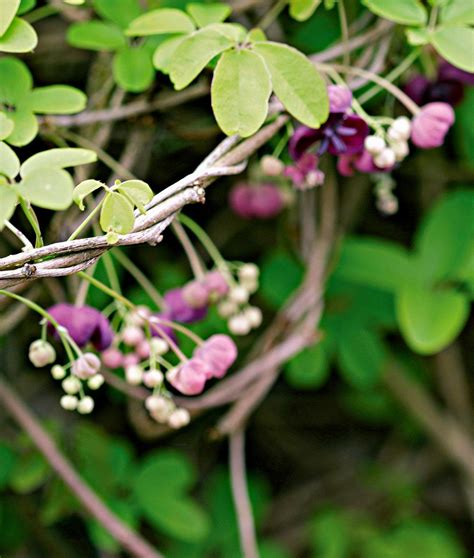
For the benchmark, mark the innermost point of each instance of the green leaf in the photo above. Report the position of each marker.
(83, 189)
(361, 356)
(26, 6)
(205, 14)
(30, 473)
(375, 262)
(309, 369)
(302, 10)
(7, 460)
(47, 187)
(6, 126)
(9, 162)
(60, 157)
(26, 127)
(137, 191)
(156, 22)
(133, 69)
(165, 51)
(121, 13)
(95, 35)
(458, 12)
(194, 53)
(57, 99)
(280, 276)
(7, 13)
(417, 36)
(16, 82)
(19, 37)
(406, 12)
(256, 35)
(240, 91)
(296, 83)
(445, 237)
(117, 214)
(9, 200)
(430, 320)
(451, 43)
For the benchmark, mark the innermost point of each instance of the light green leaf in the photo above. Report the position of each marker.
(375, 262)
(430, 320)
(233, 31)
(47, 187)
(194, 54)
(95, 35)
(205, 14)
(309, 369)
(120, 13)
(296, 83)
(240, 91)
(6, 126)
(19, 37)
(137, 191)
(60, 157)
(116, 215)
(303, 9)
(417, 36)
(133, 69)
(7, 13)
(9, 200)
(157, 22)
(407, 12)
(57, 99)
(458, 12)
(453, 45)
(9, 162)
(26, 127)
(83, 189)
(256, 35)
(165, 51)
(16, 82)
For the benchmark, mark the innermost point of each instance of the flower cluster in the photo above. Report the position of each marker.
(256, 201)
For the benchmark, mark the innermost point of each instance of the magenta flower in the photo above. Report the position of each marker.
(262, 201)
(177, 310)
(431, 124)
(362, 162)
(340, 98)
(305, 173)
(84, 324)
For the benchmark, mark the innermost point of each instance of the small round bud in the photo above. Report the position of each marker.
(132, 335)
(85, 405)
(68, 402)
(71, 385)
(112, 358)
(401, 149)
(159, 407)
(387, 205)
(254, 316)
(179, 418)
(153, 378)
(139, 316)
(134, 374)
(250, 284)
(58, 372)
(86, 366)
(41, 353)
(249, 271)
(239, 325)
(401, 126)
(386, 159)
(227, 308)
(143, 349)
(374, 144)
(95, 382)
(130, 359)
(239, 294)
(195, 294)
(159, 346)
(271, 166)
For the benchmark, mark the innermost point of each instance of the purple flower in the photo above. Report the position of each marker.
(177, 310)
(84, 324)
(340, 98)
(342, 134)
(305, 173)
(362, 162)
(431, 124)
(262, 201)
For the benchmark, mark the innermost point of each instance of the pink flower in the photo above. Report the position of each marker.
(189, 378)
(112, 358)
(362, 162)
(220, 352)
(195, 294)
(216, 284)
(431, 124)
(340, 98)
(261, 201)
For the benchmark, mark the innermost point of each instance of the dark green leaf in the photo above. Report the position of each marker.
(133, 69)
(29, 473)
(16, 81)
(309, 369)
(120, 13)
(280, 276)
(57, 99)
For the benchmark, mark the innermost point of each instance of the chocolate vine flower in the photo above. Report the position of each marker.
(262, 201)
(178, 310)
(340, 99)
(305, 173)
(431, 124)
(84, 324)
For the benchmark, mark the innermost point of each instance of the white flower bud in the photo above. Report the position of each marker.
(159, 346)
(374, 144)
(254, 316)
(86, 366)
(139, 316)
(271, 166)
(68, 402)
(401, 149)
(227, 308)
(239, 324)
(132, 335)
(85, 405)
(249, 271)
(159, 407)
(71, 385)
(401, 127)
(134, 374)
(179, 418)
(250, 284)
(58, 372)
(41, 353)
(153, 378)
(385, 159)
(96, 381)
(239, 294)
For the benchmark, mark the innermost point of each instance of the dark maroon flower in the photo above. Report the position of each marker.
(177, 310)
(84, 324)
(260, 201)
(362, 162)
(448, 71)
